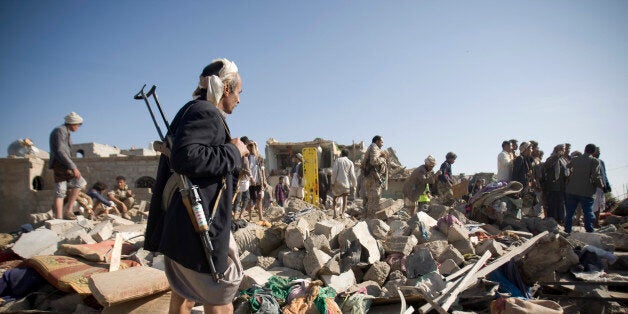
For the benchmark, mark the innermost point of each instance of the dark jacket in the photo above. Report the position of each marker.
(201, 150)
(520, 168)
(585, 176)
(554, 174)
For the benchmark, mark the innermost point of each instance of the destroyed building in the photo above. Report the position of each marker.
(28, 185)
(439, 259)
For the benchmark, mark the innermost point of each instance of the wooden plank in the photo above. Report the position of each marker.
(468, 278)
(116, 253)
(459, 273)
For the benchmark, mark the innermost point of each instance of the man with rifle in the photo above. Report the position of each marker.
(203, 151)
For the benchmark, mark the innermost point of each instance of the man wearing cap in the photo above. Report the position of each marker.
(66, 174)
(204, 151)
(296, 184)
(417, 182)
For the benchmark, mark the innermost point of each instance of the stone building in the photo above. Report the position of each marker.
(27, 184)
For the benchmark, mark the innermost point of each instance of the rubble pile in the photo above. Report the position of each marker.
(302, 259)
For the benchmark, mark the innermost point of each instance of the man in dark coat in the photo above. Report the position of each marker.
(585, 177)
(203, 150)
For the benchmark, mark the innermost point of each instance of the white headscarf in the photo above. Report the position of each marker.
(215, 84)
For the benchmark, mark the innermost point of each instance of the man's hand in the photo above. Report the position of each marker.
(240, 146)
(76, 173)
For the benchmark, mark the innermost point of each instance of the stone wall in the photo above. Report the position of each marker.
(27, 184)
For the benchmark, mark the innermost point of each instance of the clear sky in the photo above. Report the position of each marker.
(429, 76)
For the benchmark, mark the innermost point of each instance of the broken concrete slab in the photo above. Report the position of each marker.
(74, 235)
(293, 259)
(600, 240)
(314, 261)
(118, 221)
(318, 241)
(378, 272)
(102, 231)
(490, 245)
(451, 253)
(361, 233)
(267, 262)
(400, 244)
(247, 239)
(248, 260)
(341, 282)
(332, 267)
(378, 228)
(60, 226)
(269, 239)
(436, 247)
(420, 262)
(254, 275)
(388, 207)
(296, 233)
(464, 247)
(330, 229)
(37, 242)
(398, 228)
(437, 211)
(448, 267)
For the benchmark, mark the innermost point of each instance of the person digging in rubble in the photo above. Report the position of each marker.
(416, 184)
(204, 151)
(375, 169)
(101, 205)
(122, 197)
(446, 180)
(66, 173)
(342, 179)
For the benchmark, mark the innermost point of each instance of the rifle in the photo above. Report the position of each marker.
(189, 192)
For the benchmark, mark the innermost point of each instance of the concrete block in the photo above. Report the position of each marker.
(60, 226)
(378, 228)
(269, 239)
(464, 247)
(398, 228)
(296, 233)
(400, 244)
(248, 259)
(329, 228)
(437, 211)
(293, 259)
(490, 245)
(254, 275)
(448, 267)
(247, 240)
(600, 240)
(332, 267)
(436, 247)
(378, 272)
(86, 238)
(37, 242)
(267, 262)
(451, 253)
(318, 241)
(455, 232)
(420, 263)
(75, 235)
(361, 233)
(388, 208)
(314, 261)
(372, 288)
(102, 231)
(341, 282)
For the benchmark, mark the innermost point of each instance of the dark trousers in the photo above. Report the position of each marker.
(571, 202)
(556, 205)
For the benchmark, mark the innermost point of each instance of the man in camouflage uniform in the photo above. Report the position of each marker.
(375, 170)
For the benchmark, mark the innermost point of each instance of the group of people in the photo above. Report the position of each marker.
(70, 184)
(559, 185)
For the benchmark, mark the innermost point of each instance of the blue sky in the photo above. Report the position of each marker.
(429, 76)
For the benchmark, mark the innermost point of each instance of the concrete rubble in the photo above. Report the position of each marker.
(439, 258)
